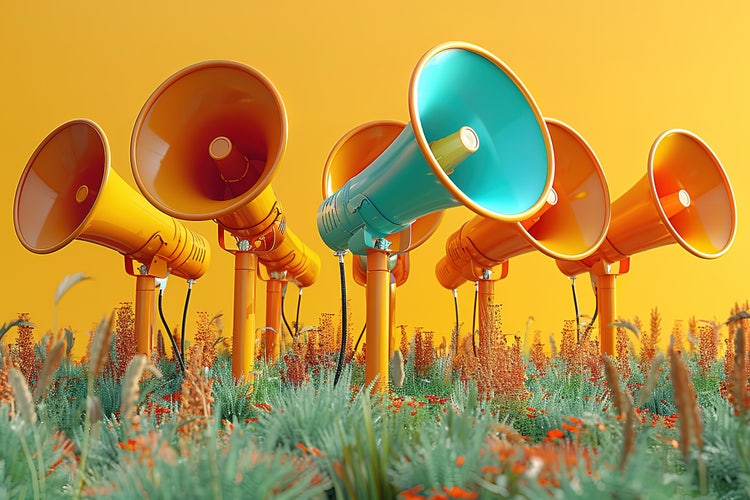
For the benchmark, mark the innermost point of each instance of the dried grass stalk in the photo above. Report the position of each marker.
(130, 390)
(738, 381)
(397, 369)
(99, 350)
(67, 282)
(49, 367)
(691, 428)
(24, 401)
(619, 398)
(652, 379)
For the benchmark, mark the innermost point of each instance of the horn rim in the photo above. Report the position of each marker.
(239, 202)
(424, 146)
(81, 227)
(651, 176)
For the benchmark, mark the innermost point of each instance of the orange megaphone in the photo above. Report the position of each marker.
(206, 145)
(571, 225)
(68, 191)
(685, 197)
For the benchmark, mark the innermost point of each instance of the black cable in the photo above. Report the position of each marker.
(575, 305)
(175, 349)
(296, 319)
(474, 318)
(364, 327)
(342, 274)
(283, 315)
(184, 315)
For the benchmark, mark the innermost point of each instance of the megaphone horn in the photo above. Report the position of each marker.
(472, 126)
(68, 191)
(207, 144)
(571, 225)
(684, 197)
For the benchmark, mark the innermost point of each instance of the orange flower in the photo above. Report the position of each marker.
(412, 493)
(491, 469)
(457, 492)
(555, 434)
(460, 460)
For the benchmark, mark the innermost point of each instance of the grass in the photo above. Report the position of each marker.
(506, 424)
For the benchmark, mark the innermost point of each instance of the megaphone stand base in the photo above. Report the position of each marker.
(243, 326)
(145, 300)
(606, 300)
(378, 319)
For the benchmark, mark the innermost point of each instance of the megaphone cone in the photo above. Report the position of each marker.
(684, 197)
(571, 225)
(352, 154)
(473, 125)
(207, 144)
(68, 191)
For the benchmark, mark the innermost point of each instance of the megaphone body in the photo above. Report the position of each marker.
(206, 145)
(69, 192)
(454, 86)
(684, 197)
(571, 225)
(475, 138)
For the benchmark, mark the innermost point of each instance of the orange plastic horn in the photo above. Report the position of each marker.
(206, 146)
(69, 192)
(571, 225)
(685, 197)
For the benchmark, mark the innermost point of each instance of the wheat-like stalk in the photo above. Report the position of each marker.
(397, 369)
(48, 369)
(738, 380)
(24, 401)
(653, 378)
(139, 364)
(100, 346)
(691, 428)
(613, 382)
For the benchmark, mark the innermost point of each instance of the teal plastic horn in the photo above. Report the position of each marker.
(454, 86)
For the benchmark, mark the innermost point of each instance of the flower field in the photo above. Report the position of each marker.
(497, 416)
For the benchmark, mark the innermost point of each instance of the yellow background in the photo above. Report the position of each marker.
(620, 73)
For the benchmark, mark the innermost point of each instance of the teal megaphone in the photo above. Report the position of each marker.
(475, 138)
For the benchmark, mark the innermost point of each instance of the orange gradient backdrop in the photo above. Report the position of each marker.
(618, 73)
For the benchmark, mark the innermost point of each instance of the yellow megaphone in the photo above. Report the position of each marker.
(206, 145)
(684, 197)
(571, 225)
(69, 192)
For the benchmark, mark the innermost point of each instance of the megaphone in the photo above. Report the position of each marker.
(570, 226)
(206, 145)
(69, 192)
(475, 138)
(685, 197)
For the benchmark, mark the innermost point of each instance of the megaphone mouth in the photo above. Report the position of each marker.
(60, 186)
(692, 193)
(574, 225)
(173, 149)
(456, 85)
